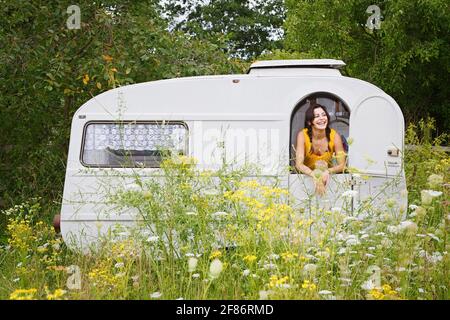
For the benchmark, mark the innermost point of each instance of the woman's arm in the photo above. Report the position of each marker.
(340, 155)
(300, 154)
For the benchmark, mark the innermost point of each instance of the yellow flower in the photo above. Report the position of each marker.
(215, 254)
(56, 295)
(376, 294)
(250, 258)
(86, 79)
(23, 294)
(277, 282)
(288, 256)
(308, 285)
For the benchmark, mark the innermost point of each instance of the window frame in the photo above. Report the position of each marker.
(124, 122)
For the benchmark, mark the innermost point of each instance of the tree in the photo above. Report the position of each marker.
(48, 71)
(407, 57)
(242, 29)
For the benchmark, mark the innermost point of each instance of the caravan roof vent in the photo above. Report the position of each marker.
(297, 67)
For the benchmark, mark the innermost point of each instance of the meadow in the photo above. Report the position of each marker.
(220, 235)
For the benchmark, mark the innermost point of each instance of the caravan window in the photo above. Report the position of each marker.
(133, 144)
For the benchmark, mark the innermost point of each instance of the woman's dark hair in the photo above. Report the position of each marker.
(309, 117)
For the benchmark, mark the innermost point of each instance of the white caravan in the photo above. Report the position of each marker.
(243, 118)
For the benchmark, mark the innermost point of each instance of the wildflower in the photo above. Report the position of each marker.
(246, 272)
(435, 180)
(308, 285)
(57, 295)
(23, 294)
(215, 254)
(192, 264)
(376, 294)
(392, 229)
(156, 295)
(210, 192)
(215, 268)
(278, 282)
(196, 275)
(428, 195)
(325, 292)
(264, 295)
(408, 227)
(86, 79)
(288, 256)
(219, 214)
(250, 258)
(309, 269)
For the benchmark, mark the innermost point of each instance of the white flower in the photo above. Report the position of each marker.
(386, 243)
(274, 256)
(408, 227)
(342, 251)
(264, 295)
(369, 255)
(246, 272)
(435, 257)
(192, 264)
(325, 292)
(153, 239)
(435, 180)
(421, 290)
(428, 195)
(392, 229)
(309, 268)
(349, 194)
(16, 280)
(215, 268)
(119, 265)
(156, 295)
(210, 192)
(219, 214)
(191, 213)
(269, 266)
(323, 254)
(196, 275)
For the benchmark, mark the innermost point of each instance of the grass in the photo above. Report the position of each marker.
(217, 235)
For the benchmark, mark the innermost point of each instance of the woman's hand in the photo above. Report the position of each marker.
(325, 177)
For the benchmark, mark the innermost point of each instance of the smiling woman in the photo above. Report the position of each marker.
(316, 145)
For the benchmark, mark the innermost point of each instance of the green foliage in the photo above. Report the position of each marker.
(408, 57)
(424, 157)
(49, 71)
(241, 28)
